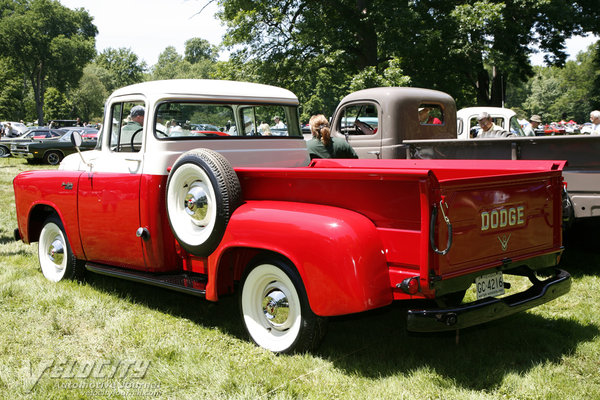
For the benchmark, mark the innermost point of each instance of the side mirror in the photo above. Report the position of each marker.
(76, 139)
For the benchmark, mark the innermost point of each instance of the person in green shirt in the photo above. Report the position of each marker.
(322, 145)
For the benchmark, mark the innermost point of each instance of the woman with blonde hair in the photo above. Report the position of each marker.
(323, 145)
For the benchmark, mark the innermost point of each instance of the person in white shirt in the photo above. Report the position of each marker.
(488, 128)
(595, 118)
(534, 122)
(278, 123)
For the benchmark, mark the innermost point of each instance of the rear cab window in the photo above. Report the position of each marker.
(430, 114)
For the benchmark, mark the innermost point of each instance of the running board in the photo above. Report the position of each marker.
(194, 285)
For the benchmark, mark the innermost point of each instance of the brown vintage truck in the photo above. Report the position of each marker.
(385, 123)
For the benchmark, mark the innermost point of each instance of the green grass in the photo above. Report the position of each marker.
(196, 349)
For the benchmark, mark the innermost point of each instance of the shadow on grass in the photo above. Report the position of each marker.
(582, 248)
(377, 345)
(7, 239)
(223, 315)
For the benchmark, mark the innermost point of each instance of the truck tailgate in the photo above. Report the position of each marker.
(500, 212)
(496, 220)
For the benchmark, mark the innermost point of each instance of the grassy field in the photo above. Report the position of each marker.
(108, 338)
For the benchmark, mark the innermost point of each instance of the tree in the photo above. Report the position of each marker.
(469, 48)
(12, 94)
(89, 97)
(57, 105)
(46, 42)
(197, 49)
(171, 65)
(123, 67)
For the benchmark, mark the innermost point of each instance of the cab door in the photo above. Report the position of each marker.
(109, 195)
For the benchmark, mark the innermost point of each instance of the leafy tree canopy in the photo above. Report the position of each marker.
(197, 49)
(47, 43)
(123, 67)
(469, 48)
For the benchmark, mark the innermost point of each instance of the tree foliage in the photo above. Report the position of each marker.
(199, 62)
(89, 96)
(123, 68)
(561, 93)
(198, 49)
(47, 43)
(12, 95)
(57, 105)
(469, 48)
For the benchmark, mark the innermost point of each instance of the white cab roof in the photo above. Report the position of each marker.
(207, 88)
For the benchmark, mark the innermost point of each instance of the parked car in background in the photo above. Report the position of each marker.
(86, 132)
(61, 123)
(554, 129)
(17, 128)
(49, 151)
(37, 133)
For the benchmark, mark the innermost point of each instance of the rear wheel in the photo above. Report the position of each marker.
(54, 252)
(52, 157)
(275, 309)
(4, 152)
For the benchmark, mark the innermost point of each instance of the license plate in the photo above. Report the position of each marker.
(489, 285)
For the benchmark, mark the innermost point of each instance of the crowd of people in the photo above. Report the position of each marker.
(488, 129)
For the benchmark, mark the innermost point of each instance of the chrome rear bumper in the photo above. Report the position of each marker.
(481, 311)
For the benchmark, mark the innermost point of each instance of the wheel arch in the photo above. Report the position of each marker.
(337, 253)
(38, 214)
(35, 221)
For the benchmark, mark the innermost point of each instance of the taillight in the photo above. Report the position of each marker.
(410, 285)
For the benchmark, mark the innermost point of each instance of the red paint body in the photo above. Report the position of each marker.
(354, 229)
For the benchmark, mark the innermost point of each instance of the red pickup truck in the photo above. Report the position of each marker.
(228, 209)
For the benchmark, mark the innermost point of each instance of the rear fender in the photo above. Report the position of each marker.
(337, 252)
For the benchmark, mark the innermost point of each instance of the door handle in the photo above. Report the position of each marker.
(376, 152)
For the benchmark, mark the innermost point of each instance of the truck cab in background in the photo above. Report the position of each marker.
(468, 127)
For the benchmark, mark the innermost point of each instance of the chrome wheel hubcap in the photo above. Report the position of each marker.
(196, 204)
(56, 251)
(276, 308)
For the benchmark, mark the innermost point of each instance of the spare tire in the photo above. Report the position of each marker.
(202, 193)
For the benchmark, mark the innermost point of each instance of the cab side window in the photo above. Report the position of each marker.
(126, 130)
(359, 119)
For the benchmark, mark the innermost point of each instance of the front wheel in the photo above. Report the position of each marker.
(55, 255)
(275, 309)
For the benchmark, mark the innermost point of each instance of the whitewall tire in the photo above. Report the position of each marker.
(202, 192)
(54, 253)
(275, 309)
